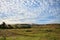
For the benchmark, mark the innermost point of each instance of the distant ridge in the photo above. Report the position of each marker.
(15, 26)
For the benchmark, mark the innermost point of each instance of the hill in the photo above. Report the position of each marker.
(18, 26)
(29, 32)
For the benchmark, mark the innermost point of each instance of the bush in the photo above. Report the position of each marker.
(25, 26)
(49, 30)
(28, 30)
(10, 27)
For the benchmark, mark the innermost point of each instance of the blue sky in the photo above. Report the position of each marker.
(30, 11)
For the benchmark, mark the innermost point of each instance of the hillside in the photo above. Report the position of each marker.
(18, 26)
(29, 32)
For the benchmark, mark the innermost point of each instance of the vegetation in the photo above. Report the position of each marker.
(15, 26)
(30, 32)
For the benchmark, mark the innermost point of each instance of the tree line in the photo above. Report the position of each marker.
(8, 26)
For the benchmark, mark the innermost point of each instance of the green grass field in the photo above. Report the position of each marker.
(34, 33)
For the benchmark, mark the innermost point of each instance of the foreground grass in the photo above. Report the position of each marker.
(37, 33)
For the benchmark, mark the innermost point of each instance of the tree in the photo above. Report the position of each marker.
(4, 26)
(10, 27)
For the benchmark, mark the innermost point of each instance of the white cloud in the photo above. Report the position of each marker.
(28, 11)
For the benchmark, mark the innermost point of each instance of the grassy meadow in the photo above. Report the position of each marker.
(36, 32)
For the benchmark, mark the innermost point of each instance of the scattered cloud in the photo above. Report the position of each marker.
(30, 11)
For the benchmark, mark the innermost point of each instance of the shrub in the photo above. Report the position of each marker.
(25, 26)
(49, 30)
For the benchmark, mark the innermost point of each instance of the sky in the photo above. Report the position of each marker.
(30, 11)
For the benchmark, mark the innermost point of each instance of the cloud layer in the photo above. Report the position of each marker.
(30, 11)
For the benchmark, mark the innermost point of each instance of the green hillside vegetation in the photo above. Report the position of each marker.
(14, 26)
(19, 26)
(29, 32)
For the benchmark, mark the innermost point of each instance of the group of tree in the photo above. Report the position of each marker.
(8, 26)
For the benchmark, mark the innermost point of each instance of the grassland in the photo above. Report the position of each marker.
(42, 32)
